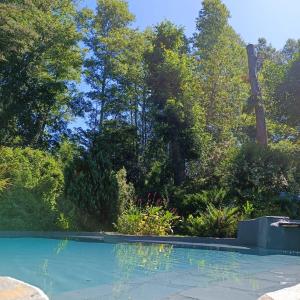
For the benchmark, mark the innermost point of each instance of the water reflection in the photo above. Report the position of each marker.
(147, 260)
(133, 258)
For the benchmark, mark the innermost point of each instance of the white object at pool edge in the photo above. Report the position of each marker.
(291, 293)
(13, 289)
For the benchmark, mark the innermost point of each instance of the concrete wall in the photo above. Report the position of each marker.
(259, 233)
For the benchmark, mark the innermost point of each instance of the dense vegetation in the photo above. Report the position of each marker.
(169, 140)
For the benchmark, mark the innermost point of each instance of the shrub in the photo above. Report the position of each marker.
(278, 206)
(261, 173)
(126, 191)
(197, 203)
(216, 222)
(248, 210)
(92, 186)
(151, 220)
(32, 200)
(4, 182)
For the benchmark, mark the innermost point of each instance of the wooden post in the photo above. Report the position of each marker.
(261, 127)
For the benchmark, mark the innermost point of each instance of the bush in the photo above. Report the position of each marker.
(151, 220)
(4, 182)
(197, 203)
(262, 173)
(216, 222)
(248, 210)
(92, 186)
(277, 206)
(32, 200)
(126, 191)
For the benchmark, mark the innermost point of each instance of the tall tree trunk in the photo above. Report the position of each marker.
(261, 128)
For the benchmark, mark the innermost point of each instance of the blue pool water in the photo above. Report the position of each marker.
(60, 267)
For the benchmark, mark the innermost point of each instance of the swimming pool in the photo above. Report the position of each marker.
(67, 269)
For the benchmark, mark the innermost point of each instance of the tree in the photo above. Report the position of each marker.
(265, 52)
(104, 35)
(115, 70)
(288, 95)
(221, 75)
(118, 141)
(290, 49)
(221, 69)
(281, 94)
(39, 61)
(91, 184)
(178, 120)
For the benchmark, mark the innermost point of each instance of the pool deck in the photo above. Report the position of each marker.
(175, 285)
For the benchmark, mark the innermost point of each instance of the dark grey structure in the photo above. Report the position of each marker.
(279, 233)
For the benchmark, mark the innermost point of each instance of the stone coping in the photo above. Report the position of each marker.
(209, 243)
(13, 289)
(290, 293)
(112, 237)
(116, 237)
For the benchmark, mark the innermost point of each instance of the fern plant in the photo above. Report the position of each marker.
(222, 221)
(215, 222)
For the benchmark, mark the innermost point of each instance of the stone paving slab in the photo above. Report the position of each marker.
(12, 289)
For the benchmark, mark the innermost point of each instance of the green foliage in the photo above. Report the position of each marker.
(248, 210)
(4, 182)
(179, 120)
(126, 191)
(193, 203)
(108, 38)
(151, 220)
(119, 140)
(34, 170)
(197, 203)
(265, 172)
(66, 151)
(213, 13)
(168, 121)
(221, 69)
(32, 200)
(288, 94)
(39, 60)
(92, 186)
(280, 87)
(219, 222)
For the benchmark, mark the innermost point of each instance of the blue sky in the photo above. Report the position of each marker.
(276, 20)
